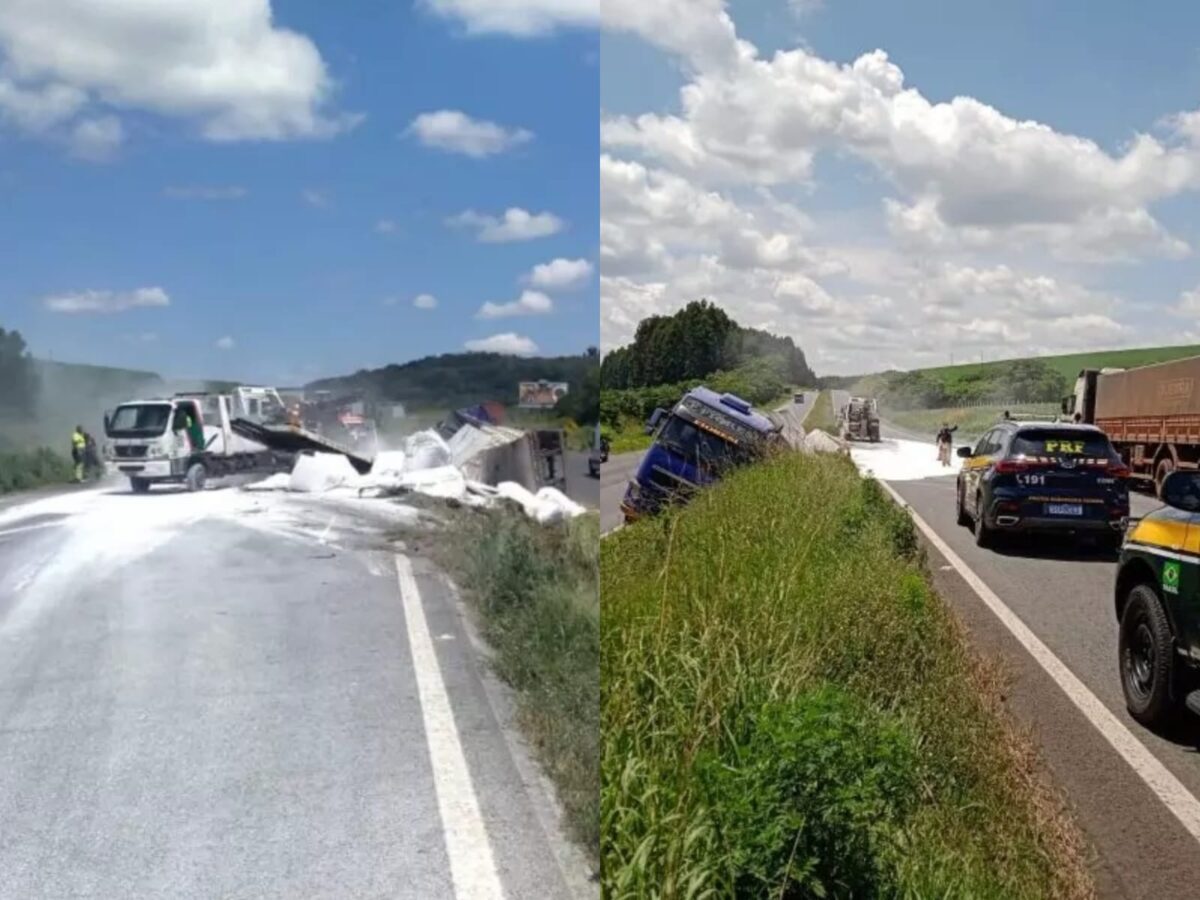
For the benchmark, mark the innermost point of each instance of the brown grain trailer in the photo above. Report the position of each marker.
(1151, 414)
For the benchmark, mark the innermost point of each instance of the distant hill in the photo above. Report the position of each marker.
(1033, 379)
(453, 380)
(1069, 365)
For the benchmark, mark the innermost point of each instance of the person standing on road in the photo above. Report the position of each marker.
(944, 440)
(78, 451)
(91, 458)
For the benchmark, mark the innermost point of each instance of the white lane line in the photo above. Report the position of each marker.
(1169, 789)
(9, 531)
(471, 864)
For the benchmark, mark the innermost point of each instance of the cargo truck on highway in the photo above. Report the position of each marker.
(695, 442)
(860, 420)
(1151, 414)
(149, 441)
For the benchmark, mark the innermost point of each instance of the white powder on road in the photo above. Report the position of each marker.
(898, 460)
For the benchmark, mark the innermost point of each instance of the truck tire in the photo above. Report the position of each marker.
(1146, 654)
(196, 477)
(138, 485)
(1165, 467)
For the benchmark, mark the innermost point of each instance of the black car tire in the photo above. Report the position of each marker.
(1146, 657)
(983, 534)
(960, 508)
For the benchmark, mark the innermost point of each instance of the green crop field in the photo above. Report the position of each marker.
(1069, 365)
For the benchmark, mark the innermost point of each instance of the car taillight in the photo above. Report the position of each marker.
(1119, 471)
(1008, 466)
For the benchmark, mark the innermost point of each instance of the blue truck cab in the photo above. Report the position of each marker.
(702, 437)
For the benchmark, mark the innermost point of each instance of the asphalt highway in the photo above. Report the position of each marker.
(202, 696)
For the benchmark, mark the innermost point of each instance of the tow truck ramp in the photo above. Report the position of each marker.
(293, 439)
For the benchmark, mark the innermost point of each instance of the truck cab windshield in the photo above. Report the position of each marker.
(699, 446)
(139, 420)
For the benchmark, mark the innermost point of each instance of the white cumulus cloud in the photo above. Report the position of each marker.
(456, 132)
(425, 301)
(518, 18)
(223, 66)
(224, 343)
(560, 274)
(530, 303)
(515, 225)
(508, 343)
(106, 301)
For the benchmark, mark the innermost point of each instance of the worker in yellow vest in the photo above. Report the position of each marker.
(78, 450)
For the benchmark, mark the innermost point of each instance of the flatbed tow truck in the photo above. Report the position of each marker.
(248, 430)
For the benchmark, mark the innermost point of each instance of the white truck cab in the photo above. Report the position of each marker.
(149, 441)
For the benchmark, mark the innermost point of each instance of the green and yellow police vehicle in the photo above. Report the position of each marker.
(1158, 606)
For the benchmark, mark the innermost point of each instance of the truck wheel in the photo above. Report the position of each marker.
(1165, 467)
(1146, 652)
(983, 534)
(139, 485)
(196, 476)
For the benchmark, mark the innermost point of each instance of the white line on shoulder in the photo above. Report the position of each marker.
(472, 867)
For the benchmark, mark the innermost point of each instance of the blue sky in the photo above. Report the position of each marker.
(293, 243)
(1011, 220)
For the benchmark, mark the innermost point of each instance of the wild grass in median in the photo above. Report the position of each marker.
(535, 587)
(788, 710)
(822, 416)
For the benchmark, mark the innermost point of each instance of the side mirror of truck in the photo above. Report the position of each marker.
(107, 420)
(964, 452)
(1065, 411)
(1181, 490)
(655, 418)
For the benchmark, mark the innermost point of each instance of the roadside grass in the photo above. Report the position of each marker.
(628, 437)
(535, 589)
(971, 421)
(20, 471)
(822, 417)
(789, 710)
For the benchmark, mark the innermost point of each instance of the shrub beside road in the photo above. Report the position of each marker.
(22, 470)
(788, 709)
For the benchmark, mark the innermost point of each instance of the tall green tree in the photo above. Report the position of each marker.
(18, 378)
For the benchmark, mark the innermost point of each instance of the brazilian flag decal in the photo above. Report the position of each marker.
(1170, 576)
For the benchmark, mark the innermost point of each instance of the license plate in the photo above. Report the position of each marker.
(1064, 509)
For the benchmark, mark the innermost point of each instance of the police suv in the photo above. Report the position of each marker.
(1158, 606)
(1043, 476)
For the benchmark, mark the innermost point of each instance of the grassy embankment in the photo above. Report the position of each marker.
(23, 470)
(535, 589)
(789, 710)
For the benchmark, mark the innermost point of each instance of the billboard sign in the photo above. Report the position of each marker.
(540, 394)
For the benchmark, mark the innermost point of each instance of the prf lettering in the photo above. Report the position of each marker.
(1064, 446)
